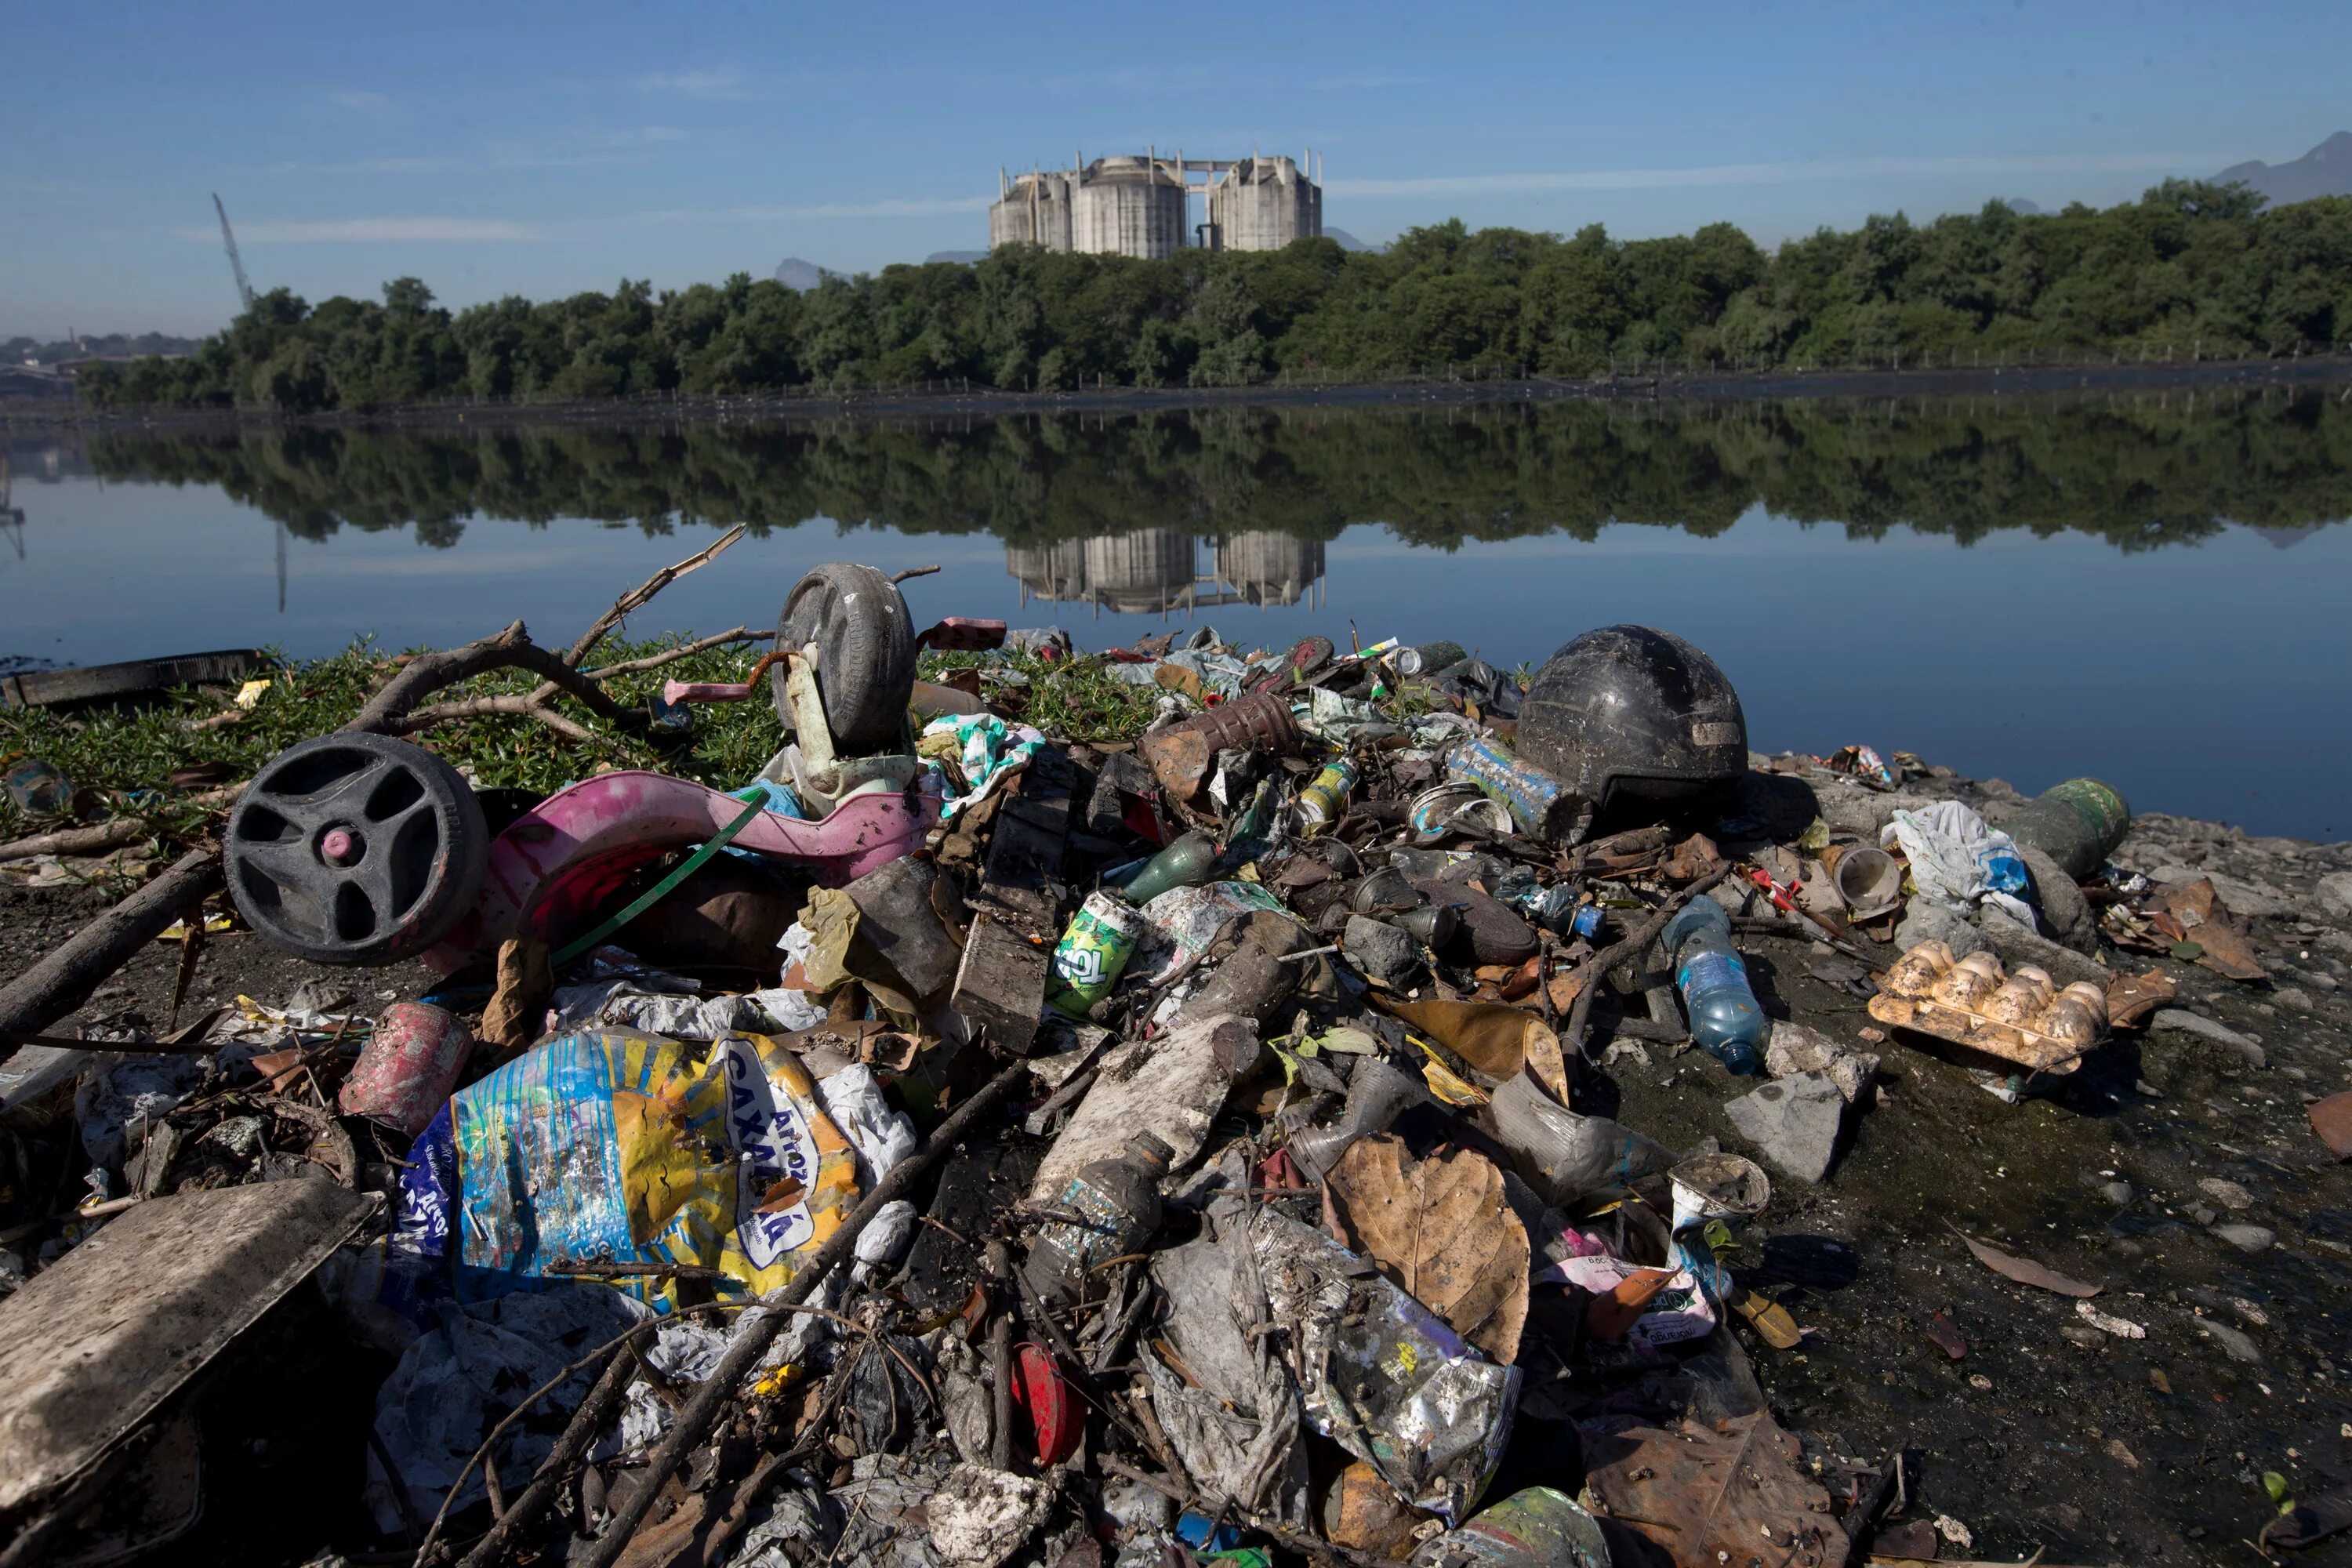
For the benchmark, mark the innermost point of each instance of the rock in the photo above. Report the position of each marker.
(2236, 1344)
(2291, 997)
(1382, 952)
(1926, 919)
(2228, 1194)
(2017, 945)
(2083, 1336)
(2064, 911)
(2335, 894)
(2188, 1023)
(2116, 1192)
(1793, 1122)
(2247, 1239)
(1794, 1049)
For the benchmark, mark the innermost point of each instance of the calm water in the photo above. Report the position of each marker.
(2156, 590)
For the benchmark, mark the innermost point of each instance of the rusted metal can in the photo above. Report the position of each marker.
(1326, 795)
(1182, 755)
(408, 1069)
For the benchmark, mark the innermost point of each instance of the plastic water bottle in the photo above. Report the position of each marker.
(1724, 1016)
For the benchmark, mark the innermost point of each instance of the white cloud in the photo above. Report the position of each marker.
(372, 230)
(709, 86)
(1777, 173)
(891, 209)
(356, 99)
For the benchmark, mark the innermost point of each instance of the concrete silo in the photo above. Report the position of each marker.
(1262, 567)
(1031, 209)
(1264, 204)
(1128, 206)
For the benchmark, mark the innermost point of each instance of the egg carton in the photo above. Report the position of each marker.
(2022, 1017)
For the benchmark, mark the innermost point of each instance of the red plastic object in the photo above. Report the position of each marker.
(963, 634)
(561, 861)
(1042, 1394)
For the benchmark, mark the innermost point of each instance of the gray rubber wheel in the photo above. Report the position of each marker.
(865, 654)
(355, 848)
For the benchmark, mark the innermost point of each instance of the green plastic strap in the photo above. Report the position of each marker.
(660, 890)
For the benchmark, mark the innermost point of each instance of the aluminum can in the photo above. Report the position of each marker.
(1326, 794)
(1092, 952)
(409, 1067)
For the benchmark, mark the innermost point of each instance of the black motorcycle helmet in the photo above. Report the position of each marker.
(1630, 711)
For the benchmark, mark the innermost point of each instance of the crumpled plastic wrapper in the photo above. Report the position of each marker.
(1380, 1374)
(461, 1377)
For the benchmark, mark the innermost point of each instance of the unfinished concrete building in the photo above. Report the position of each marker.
(1142, 205)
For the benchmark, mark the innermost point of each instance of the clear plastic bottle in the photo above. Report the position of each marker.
(1708, 972)
(1119, 1205)
(1185, 863)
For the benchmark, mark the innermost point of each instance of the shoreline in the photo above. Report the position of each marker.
(1706, 386)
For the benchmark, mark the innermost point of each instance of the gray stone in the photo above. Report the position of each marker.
(1793, 1122)
(2228, 1194)
(2335, 894)
(2017, 945)
(2116, 1193)
(2188, 1023)
(2236, 1344)
(2064, 911)
(1926, 919)
(1794, 1048)
(1382, 952)
(2294, 997)
(2247, 1239)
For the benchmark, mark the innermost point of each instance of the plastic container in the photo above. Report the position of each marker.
(1185, 863)
(1119, 1202)
(1538, 804)
(2077, 824)
(1429, 659)
(1713, 980)
(1538, 1528)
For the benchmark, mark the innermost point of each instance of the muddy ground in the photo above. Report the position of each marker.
(2046, 1434)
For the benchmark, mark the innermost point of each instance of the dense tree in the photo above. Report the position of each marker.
(2189, 268)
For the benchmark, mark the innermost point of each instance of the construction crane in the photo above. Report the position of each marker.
(236, 264)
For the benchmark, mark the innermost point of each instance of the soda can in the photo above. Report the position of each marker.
(1326, 794)
(1586, 923)
(1092, 952)
(409, 1067)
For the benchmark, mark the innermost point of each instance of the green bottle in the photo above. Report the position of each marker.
(1185, 863)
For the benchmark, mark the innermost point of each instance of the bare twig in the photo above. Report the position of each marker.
(636, 598)
(671, 656)
(528, 706)
(109, 835)
(897, 578)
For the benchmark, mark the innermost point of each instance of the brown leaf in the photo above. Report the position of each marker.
(1708, 1495)
(2227, 952)
(1440, 1229)
(2025, 1272)
(2131, 998)
(1492, 1037)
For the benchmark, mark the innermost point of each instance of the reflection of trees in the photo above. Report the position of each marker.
(2137, 472)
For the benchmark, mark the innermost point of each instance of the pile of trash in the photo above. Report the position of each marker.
(968, 1145)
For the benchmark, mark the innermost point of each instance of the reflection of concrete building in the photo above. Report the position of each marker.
(1128, 206)
(1157, 570)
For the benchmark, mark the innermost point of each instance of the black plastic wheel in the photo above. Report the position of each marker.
(865, 654)
(355, 848)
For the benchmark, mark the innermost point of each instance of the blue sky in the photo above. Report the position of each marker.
(538, 148)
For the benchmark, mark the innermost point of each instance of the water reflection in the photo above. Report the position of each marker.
(2137, 471)
(1160, 571)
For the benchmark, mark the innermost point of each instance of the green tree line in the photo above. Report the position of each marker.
(2190, 267)
(2137, 470)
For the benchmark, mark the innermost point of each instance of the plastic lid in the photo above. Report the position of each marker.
(1152, 1147)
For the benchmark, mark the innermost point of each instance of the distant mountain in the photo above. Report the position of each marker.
(1346, 241)
(965, 258)
(2325, 171)
(802, 276)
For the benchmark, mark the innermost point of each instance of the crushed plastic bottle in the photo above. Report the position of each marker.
(1713, 980)
(1119, 1205)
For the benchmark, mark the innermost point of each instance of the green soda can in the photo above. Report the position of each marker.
(1087, 960)
(1326, 795)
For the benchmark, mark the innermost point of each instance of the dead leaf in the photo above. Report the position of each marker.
(2131, 998)
(1360, 1512)
(1497, 1039)
(2025, 1272)
(2227, 952)
(1707, 1496)
(1440, 1230)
